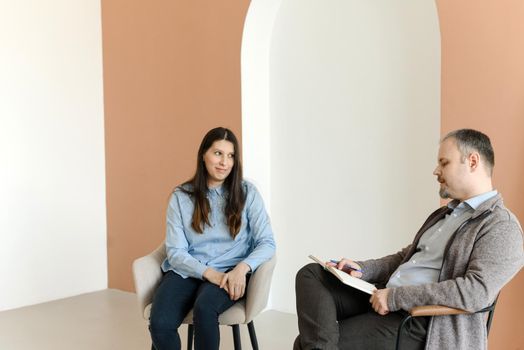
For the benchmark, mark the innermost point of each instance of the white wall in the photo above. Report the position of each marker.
(256, 42)
(353, 128)
(52, 186)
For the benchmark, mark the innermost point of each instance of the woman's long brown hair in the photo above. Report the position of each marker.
(232, 185)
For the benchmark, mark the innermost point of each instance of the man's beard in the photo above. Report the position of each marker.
(443, 193)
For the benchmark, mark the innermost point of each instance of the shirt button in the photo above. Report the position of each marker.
(414, 261)
(439, 230)
(455, 215)
(427, 248)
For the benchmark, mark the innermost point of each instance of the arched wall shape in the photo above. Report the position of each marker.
(351, 130)
(256, 42)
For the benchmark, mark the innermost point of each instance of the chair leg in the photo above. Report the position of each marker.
(490, 314)
(236, 337)
(252, 335)
(189, 336)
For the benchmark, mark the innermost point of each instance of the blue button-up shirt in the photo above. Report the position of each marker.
(190, 253)
(424, 266)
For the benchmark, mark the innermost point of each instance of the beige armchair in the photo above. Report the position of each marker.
(147, 275)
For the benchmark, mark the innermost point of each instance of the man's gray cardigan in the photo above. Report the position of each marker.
(479, 259)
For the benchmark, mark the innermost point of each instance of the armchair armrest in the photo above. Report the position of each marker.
(257, 292)
(435, 310)
(147, 274)
(439, 310)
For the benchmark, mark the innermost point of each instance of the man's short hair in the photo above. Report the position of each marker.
(469, 140)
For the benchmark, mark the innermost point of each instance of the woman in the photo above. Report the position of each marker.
(217, 232)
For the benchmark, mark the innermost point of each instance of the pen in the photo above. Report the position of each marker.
(346, 266)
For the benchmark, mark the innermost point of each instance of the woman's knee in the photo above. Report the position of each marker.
(207, 304)
(165, 320)
(205, 313)
(210, 303)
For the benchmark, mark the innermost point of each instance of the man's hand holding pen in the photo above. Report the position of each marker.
(348, 266)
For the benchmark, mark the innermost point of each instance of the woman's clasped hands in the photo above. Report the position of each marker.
(233, 282)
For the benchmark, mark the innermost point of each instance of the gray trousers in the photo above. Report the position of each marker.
(333, 316)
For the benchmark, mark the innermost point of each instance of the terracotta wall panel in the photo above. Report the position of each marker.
(171, 72)
(483, 88)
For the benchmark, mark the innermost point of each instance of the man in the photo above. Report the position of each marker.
(461, 257)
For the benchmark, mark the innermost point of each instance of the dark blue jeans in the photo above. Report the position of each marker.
(173, 299)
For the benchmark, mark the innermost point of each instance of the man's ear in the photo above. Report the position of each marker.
(474, 161)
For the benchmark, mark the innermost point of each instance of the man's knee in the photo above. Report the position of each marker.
(309, 271)
(296, 344)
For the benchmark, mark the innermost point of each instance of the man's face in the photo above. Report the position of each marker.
(452, 171)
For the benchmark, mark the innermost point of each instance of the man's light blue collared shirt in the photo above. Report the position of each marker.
(190, 253)
(424, 266)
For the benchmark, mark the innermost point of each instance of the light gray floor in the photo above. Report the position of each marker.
(109, 320)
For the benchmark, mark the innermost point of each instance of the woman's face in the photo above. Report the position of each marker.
(219, 160)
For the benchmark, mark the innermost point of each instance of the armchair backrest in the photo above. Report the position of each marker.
(147, 275)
